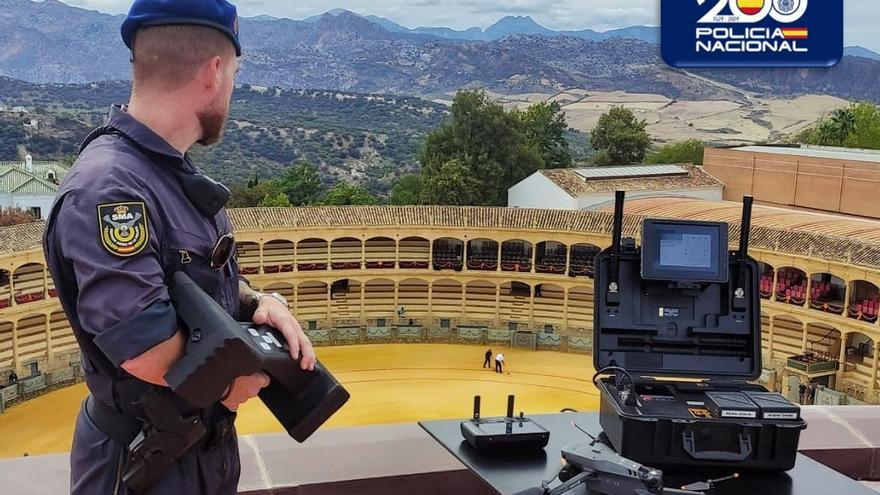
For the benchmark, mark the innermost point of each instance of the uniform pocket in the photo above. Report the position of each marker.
(191, 254)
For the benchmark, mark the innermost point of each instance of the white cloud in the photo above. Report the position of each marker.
(600, 15)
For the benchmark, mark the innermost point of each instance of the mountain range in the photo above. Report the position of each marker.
(506, 26)
(52, 42)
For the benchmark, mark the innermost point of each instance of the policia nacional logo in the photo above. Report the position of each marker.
(124, 230)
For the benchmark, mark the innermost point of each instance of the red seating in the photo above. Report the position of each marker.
(4, 303)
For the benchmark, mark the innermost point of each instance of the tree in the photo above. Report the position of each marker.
(407, 190)
(622, 136)
(688, 151)
(347, 194)
(248, 196)
(15, 216)
(488, 141)
(453, 184)
(302, 184)
(857, 126)
(544, 128)
(278, 199)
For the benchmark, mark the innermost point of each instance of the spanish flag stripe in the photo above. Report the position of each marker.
(795, 32)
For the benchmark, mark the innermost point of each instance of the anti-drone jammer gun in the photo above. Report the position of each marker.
(220, 349)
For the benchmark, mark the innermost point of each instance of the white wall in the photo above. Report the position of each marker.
(599, 200)
(44, 203)
(537, 191)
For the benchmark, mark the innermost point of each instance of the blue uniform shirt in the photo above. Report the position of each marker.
(120, 226)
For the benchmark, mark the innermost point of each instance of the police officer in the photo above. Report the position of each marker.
(133, 211)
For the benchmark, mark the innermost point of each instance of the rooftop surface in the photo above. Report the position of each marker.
(817, 152)
(580, 181)
(832, 238)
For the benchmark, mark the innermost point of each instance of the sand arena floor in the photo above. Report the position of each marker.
(395, 383)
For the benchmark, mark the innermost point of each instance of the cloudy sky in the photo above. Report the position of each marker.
(861, 15)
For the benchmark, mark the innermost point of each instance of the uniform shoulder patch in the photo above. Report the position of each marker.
(124, 229)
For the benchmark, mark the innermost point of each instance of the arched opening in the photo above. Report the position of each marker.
(31, 337)
(823, 342)
(827, 293)
(859, 357)
(412, 301)
(380, 253)
(311, 302)
(550, 257)
(580, 309)
(791, 286)
(248, 255)
(549, 304)
(345, 301)
(480, 302)
(582, 259)
(311, 255)
(28, 281)
(864, 302)
(6, 354)
(448, 254)
(788, 336)
(379, 299)
(63, 340)
(345, 254)
(279, 256)
(286, 290)
(514, 302)
(516, 256)
(766, 283)
(5, 289)
(446, 298)
(482, 255)
(415, 253)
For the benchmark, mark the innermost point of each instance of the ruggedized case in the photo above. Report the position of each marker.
(679, 340)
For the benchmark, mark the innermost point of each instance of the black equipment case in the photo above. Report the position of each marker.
(675, 319)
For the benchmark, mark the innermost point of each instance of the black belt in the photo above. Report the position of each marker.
(121, 428)
(124, 429)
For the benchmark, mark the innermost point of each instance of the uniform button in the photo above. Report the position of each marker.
(224, 466)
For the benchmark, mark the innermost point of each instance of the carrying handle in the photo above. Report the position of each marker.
(690, 446)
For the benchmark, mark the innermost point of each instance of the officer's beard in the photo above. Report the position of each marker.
(212, 119)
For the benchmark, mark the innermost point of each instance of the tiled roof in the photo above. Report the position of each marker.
(575, 185)
(840, 239)
(15, 181)
(21, 237)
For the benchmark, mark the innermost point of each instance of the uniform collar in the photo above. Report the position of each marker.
(143, 135)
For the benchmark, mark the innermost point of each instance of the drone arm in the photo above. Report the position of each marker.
(673, 491)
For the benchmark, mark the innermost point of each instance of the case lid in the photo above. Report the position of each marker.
(677, 327)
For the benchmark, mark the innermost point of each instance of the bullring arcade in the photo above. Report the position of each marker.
(492, 275)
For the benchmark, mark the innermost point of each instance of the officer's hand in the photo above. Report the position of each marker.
(243, 388)
(273, 313)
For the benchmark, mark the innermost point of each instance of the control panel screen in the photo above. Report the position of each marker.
(684, 251)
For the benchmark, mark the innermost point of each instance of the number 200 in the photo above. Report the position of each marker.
(769, 8)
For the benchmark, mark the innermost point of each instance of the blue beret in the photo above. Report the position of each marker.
(218, 14)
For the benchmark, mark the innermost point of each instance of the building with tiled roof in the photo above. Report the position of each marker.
(591, 187)
(30, 185)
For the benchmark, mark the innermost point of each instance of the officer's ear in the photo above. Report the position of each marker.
(212, 73)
